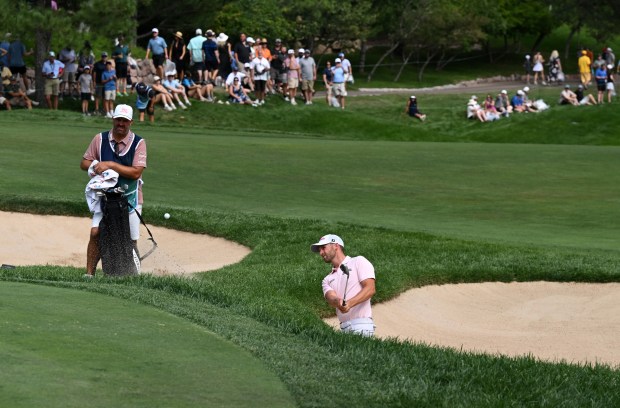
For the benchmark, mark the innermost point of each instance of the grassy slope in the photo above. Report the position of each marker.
(270, 303)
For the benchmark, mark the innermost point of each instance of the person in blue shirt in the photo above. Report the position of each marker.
(601, 82)
(108, 78)
(211, 57)
(338, 88)
(159, 48)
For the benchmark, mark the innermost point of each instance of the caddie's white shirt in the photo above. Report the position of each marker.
(360, 269)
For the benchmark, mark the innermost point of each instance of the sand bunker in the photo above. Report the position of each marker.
(577, 323)
(27, 239)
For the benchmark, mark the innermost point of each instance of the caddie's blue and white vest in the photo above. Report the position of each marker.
(126, 159)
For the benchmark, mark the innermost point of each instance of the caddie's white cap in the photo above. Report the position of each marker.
(327, 239)
(123, 111)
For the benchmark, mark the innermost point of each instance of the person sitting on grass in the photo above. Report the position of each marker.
(16, 96)
(489, 109)
(193, 90)
(568, 97)
(176, 89)
(162, 94)
(412, 109)
(502, 104)
(517, 102)
(584, 99)
(474, 110)
(238, 95)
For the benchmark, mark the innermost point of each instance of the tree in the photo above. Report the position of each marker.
(51, 28)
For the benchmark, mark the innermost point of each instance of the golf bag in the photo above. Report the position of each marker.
(118, 255)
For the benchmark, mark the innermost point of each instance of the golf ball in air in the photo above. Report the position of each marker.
(166, 215)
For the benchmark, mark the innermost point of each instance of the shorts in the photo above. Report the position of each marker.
(18, 70)
(610, 86)
(85, 96)
(121, 70)
(158, 60)
(199, 66)
(51, 86)
(364, 326)
(134, 223)
(110, 95)
(259, 85)
(211, 66)
(99, 91)
(601, 87)
(17, 101)
(307, 85)
(68, 76)
(293, 82)
(339, 89)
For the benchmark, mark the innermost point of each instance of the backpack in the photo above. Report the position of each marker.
(118, 255)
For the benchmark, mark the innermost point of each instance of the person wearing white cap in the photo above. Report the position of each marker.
(611, 89)
(502, 104)
(196, 57)
(338, 84)
(157, 45)
(349, 286)
(412, 108)
(293, 74)
(474, 110)
(52, 71)
(308, 76)
(348, 68)
(124, 152)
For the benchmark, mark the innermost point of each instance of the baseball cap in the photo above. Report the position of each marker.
(155, 30)
(566, 86)
(578, 86)
(156, 78)
(474, 97)
(291, 51)
(85, 67)
(246, 65)
(307, 51)
(412, 97)
(341, 54)
(278, 40)
(123, 111)
(52, 54)
(519, 92)
(610, 66)
(301, 50)
(338, 60)
(104, 54)
(250, 40)
(327, 239)
(526, 89)
(504, 92)
(198, 31)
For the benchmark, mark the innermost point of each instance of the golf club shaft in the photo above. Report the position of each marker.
(345, 270)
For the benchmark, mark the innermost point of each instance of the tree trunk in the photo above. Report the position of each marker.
(43, 41)
(429, 58)
(402, 67)
(538, 41)
(384, 56)
(573, 31)
(363, 57)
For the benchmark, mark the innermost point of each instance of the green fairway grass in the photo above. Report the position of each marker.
(69, 348)
(528, 198)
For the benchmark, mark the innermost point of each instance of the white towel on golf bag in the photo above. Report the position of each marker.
(97, 184)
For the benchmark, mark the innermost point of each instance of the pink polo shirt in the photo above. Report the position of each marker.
(360, 269)
(94, 149)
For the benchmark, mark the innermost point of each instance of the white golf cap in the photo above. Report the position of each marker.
(327, 239)
(291, 51)
(526, 89)
(123, 111)
(250, 40)
(301, 50)
(412, 97)
(198, 31)
(504, 92)
(338, 60)
(155, 30)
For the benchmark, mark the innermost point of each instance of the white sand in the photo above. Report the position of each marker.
(577, 323)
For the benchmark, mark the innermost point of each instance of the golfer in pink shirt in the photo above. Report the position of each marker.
(349, 287)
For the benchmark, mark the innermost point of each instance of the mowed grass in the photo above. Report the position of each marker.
(529, 207)
(83, 349)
